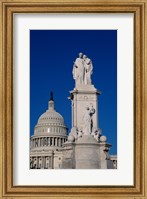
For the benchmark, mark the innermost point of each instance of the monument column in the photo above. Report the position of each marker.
(81, 98)
(84, 98)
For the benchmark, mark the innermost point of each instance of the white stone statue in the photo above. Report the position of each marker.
(88, 69)
(97, 133)
(73, 135)
(78, 70)
(87, 119)
(80, 133)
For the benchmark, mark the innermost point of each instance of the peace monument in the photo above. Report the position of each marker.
(85, 147)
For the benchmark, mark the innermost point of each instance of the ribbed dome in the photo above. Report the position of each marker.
(50, 122)
(50, 117)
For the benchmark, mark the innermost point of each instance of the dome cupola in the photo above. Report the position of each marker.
(50, 122)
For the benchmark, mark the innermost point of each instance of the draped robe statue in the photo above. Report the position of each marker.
(87, 119)
(88, 70)
(78, 70)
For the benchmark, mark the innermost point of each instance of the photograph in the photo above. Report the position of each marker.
(73, 95)
(73, 99)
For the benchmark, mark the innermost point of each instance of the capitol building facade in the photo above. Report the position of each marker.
(50, 133)
(51, 147)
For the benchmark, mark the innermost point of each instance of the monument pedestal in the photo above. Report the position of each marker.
(86, 153)
(82, 97)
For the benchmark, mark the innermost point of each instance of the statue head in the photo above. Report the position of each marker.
(80, 55)
(84, 56)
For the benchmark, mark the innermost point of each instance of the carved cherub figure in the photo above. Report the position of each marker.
(97, 133)
(73, 135)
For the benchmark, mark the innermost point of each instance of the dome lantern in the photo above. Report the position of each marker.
(51, 102)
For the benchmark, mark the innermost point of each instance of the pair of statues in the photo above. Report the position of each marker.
(82, 70)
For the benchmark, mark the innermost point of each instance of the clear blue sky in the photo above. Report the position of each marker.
(52, 53)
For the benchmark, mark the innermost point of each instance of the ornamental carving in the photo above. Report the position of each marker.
(85, 97)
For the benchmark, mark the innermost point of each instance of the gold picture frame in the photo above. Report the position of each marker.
(8, 9)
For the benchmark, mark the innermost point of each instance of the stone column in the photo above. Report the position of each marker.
(48, 141)
(36, 162)
(38, 142)
(44, 162)
(59, 142)
(52, 162)
(41, 162)
(45, 141)
(49, 162)
(55, 141)
(52, 141)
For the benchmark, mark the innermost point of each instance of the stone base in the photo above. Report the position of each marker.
(86, 153)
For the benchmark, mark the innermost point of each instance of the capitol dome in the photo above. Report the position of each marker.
(50, 122)
(50, 131)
